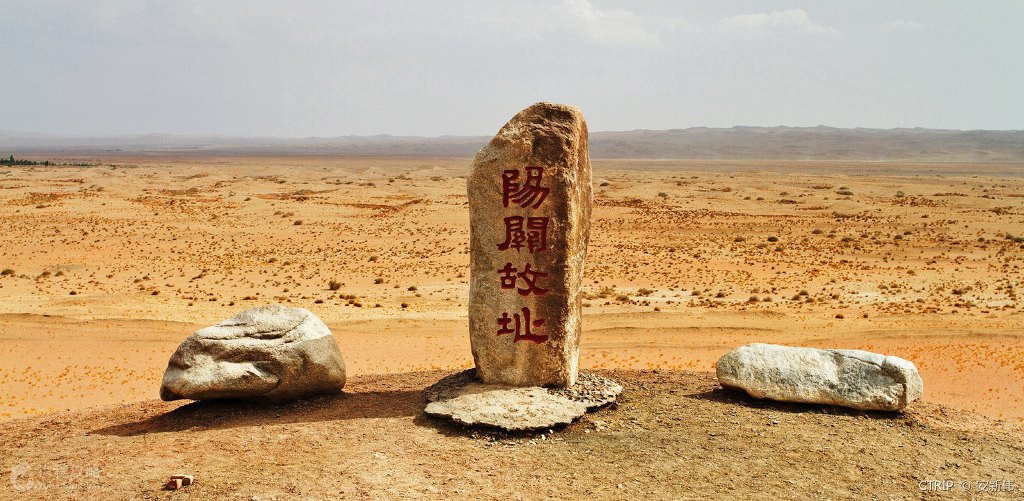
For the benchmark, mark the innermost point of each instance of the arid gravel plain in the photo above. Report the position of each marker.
(107, 267)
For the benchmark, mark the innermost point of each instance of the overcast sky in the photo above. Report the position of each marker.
(307, 68)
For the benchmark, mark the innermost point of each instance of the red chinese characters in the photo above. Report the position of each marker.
(510, 277)
(528, 194)
(523, 232)
(522, 330)
(530, 232)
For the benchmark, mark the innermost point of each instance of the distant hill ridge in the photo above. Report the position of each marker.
(698, 143)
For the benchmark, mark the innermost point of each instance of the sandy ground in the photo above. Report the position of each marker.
(673, 435)
(112, 265)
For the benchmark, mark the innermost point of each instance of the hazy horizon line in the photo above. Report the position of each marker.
(13, 132)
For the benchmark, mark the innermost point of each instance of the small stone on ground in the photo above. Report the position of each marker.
(178, 481)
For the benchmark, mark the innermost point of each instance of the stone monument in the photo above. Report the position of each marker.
(529, 203)
(530, 199)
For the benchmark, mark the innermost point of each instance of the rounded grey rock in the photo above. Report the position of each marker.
(849, 378)
(269, 353)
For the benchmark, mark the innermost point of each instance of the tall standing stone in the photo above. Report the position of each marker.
(529, 199)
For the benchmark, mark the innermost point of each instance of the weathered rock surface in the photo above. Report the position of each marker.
(270, 352)
(530, 201)
(462, 398)
(849, 378)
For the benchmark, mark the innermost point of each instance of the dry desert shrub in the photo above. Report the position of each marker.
(602, 294)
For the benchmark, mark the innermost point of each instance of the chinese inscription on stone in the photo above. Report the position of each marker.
(530, 194)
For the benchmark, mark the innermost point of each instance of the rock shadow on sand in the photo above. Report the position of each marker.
(230, 413)
(737, 397)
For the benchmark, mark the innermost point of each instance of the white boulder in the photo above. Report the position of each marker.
(270, 352)
(848, 378)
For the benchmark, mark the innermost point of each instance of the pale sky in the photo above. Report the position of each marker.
(311, 68)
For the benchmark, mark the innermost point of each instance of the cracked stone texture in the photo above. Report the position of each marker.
(848, 378)
(554, 137)
(462, 398)
(270, 353)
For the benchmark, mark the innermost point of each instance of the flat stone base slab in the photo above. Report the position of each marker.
(462, 398)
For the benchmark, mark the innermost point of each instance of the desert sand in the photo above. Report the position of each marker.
(108, 267)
